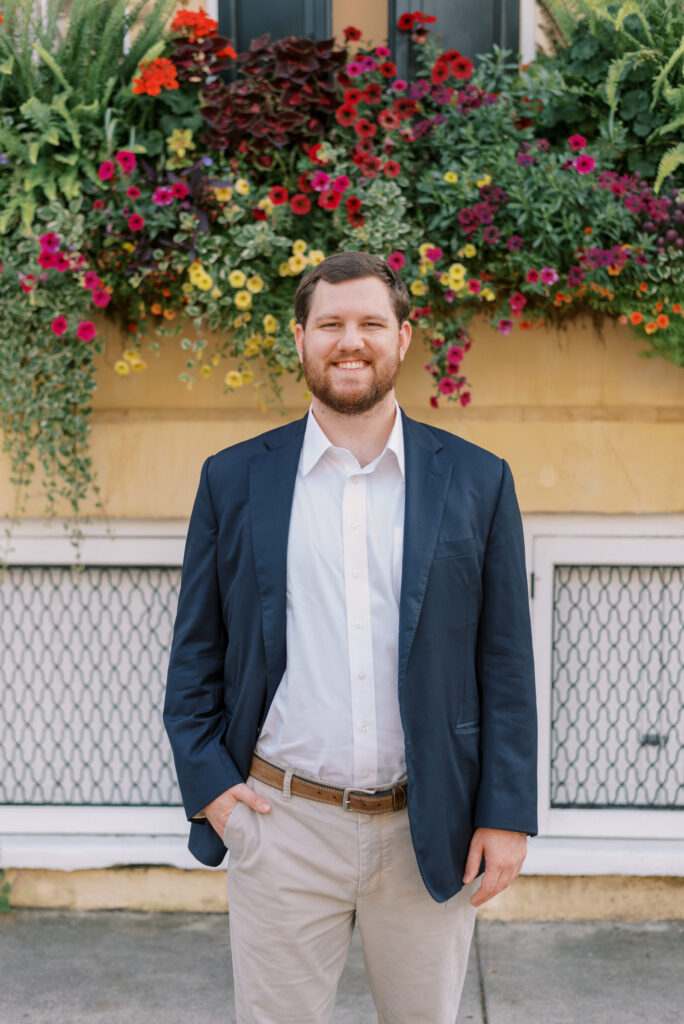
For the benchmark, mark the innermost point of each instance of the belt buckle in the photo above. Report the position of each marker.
(354, 789)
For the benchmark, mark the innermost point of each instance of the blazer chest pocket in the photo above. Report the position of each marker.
(456, 548)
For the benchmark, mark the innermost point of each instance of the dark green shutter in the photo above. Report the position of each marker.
(244, 20)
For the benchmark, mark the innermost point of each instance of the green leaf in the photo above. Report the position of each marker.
(661, 81)
(48, 59)
(7, 65)
(33, 152)
(67, 158)
(670, 161)
(68, 182)
(632, 7)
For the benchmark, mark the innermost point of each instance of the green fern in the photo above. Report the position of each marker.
(671, 160)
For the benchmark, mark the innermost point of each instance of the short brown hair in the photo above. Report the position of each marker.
(348, 266)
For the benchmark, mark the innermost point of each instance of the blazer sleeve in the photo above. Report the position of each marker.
(193, 709)
(507, 794)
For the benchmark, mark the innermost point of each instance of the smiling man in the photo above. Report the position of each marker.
(350, 696)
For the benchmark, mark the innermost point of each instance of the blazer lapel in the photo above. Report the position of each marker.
(427, 483)
(272, 476)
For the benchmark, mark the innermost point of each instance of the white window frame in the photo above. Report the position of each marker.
(594, 841)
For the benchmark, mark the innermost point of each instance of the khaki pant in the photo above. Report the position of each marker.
(299, 877)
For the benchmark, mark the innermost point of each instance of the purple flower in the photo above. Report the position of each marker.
(543, 145)
(449, 295)
(490, 235)
(368, 63)
(515, 243)
(505, 326)
(439, 119)
(524, 159)
(419, 89)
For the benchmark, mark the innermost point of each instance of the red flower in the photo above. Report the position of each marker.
(449, 55)
(371, 166)
(86, 330)
(278, 195)
(101, 297)
(106, 170)
(126, 161)
(356, 220)
(404, 107)
(346, 114)
(352, 33)
(388, 119)
(180, 190)
(391, 169)
(440, 72)
(304, 184)
(584, 164)
(372, 93)
(464, 399)
(258, 213)
(300, 203)
(26, 282)
(47, 260)
(330, 199)
(313, 154)
(61, 263)
(59, 325)
(388, 69)
(133, 192)
(425, 19)
(227, 51)
(406, 22)
(365, 129)
(353, 204)
(98, 204)
(352, 96)
(136, 222)
(462, 67)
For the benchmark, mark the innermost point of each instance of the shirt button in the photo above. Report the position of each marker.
(364, 775)
(357, 572)
(362, 675)
(354, 526)
(364, 728)
(359, 623)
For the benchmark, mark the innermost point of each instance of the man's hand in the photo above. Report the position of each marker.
(504, 853)
(220, 809)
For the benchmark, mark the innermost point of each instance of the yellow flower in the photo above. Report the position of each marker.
(180, 141)
(243, 300)
(224, 195)
(451, 177)
(242, 187)
(215, 359)
(458, 284)
(255, 284)
(247, 376)
(169, 314)
(270, 324)
(284, 270)
(138, 365)
(236, 279)
(206, 371)
(233, 379)
(292, 324)
(186, 287)
(457, 270)
(131, 355)
(487, 294)
(247, 317)
(418, 287)
(196, 272)
(468, 251)
(121, 367)
(128, 246)
(299, 247)
(484, 180)
(424, 267)
(316, 256)
(253, 347)
(205, 282)
(216, 293)
(296, 263)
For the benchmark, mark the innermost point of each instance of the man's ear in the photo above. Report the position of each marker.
(299, 340)
(404, 339)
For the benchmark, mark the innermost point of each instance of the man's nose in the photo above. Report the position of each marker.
(351, 338)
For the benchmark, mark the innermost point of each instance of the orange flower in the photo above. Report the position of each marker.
(588, 231)
(614, 269)
(525, 325)
(197, 22)
(658, 307)
(156, 309)
(663, 320)
(677, 308)
(643, 287)
(650, 327)
(157, 75)
(636, 318)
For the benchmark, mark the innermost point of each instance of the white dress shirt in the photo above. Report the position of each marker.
(335, 715)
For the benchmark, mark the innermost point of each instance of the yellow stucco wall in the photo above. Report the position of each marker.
(587, 424)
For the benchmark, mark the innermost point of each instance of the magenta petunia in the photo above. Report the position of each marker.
(532, 276)
(133, 192)
(396, 260)
(382, 52)
(91, 280)
(61, 263)
(98, 204)
(434, 254)
(399, 85)
(47, 260)
(106, 170)
(320, 181)
(126, 161)
(517, 302)
(101, 297)
(354, 68)
(455, 353)
(474, 286)
(49, 242)
(515, 243)
(577, 142)
(162, 196)
(447, 386)
(86, 330)
(180, 190)
(59, 325)
(584, 164)
(549, 275)
(341, 183)
(505, 326)
(464, 399)
(136, 222)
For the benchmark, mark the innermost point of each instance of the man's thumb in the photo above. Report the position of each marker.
(256, 802)
(473, 862)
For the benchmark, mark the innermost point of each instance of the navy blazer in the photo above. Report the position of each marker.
(465, 674)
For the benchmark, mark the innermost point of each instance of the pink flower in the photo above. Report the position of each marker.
(449, 295)
(434, 254)
(136, 222)
(584, 164)
(341, 184)
(399, 85)
(126, 161)
(532, 276)
(86, 330)
(354, 68)
(47, 260)
(455, 354)
(61, 263)
(382, 52)
(517, 302)
(180, 190)
(49, 242)
(505, 326)
(162, 196)
(577, 142)
(464, 399)
(59, 325)
(549, 275)
(474, 286)
(133, 192)
(106, 170)
(396, 260)
(447, 386)
(98, 204)
(101, 297)
(320, 181)
(91, 280)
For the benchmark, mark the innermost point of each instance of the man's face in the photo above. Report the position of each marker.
(352, 345)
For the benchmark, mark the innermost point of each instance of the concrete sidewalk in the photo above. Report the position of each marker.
(118, 967)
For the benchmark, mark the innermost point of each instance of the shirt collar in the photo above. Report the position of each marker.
(316, 443)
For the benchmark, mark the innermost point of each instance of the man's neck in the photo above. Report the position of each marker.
(363, 434)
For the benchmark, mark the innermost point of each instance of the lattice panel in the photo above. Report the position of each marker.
(83, 670)
(617, 729)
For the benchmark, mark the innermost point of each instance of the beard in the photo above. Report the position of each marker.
(364, 396)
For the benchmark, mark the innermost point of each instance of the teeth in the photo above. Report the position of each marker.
(352, 366)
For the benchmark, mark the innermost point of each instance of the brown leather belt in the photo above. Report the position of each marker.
(351, 798)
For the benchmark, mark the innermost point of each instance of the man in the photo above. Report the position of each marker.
(350, 696)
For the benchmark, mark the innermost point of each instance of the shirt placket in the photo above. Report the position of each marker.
(359, 631)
